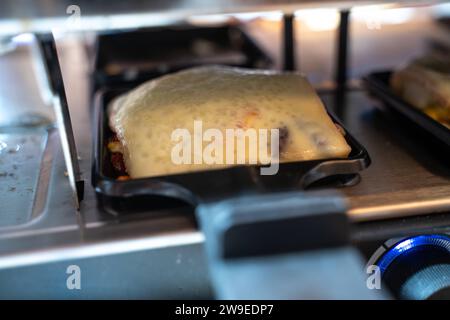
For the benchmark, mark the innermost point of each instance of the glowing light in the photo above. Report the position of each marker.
(382, 14)
(224, 18)
(24, 38)
(319, 19)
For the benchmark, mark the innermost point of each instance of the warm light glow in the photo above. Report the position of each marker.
(223, 18)
(382, 14)
(23, 38)
(319, 19)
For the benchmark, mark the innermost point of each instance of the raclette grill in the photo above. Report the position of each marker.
(191, 189)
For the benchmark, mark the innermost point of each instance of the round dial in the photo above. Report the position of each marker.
(417, 267)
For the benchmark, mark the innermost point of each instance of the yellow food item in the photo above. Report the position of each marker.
(425, 84)
(221, 98)
(115, 146)
(439, 114)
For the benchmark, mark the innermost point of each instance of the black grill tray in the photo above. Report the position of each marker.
(148, 53)
(378, 84)
(146, 194)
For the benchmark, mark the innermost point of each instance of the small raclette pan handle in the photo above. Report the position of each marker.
(215, 185)
(274, 223)
(279, 246)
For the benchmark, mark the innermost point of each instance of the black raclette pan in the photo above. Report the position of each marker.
(378, 84)
(142, 54)
(146, 194)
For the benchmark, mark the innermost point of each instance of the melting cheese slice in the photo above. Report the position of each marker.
(425, 84)
(222, 98)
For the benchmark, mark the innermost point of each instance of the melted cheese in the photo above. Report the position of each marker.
(425, 84)
(222, 98)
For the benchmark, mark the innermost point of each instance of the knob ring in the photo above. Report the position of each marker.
(407, 244)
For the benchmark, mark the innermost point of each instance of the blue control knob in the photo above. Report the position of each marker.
(417, 267)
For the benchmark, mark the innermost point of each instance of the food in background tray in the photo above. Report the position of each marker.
(425, 84)
(222, 98)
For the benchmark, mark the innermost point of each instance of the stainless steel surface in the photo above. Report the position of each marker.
(405, 178)
(21, 153)
(17, 108)
(166, 273)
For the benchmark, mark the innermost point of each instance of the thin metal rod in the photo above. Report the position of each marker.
(342, 63)
(288, 42)
(342, 49)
